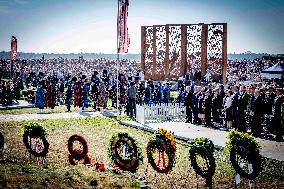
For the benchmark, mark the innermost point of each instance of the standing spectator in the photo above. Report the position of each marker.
(18, 86)
(235, 106)
(201, 113)
(61, 91)
(166, 94)
(155, 94)
(228, 109)
(141, 75)
(188, 104)
(270, 100)
(256, 113)
(160, 93)
(68, 98)
(105, 78)
(40, 98)
(242, 108)
(9, 94)
(85, 91)
(101, 96)
(148, 94)
(51, 95)
(122, 95)
(141, 92)
(222, 93)
(207, 108)
(216, 108)
(94, 91)
(180, 98)
(279, 115)
(78, 95)
(112, 95)
(132, 93)
(195, 97)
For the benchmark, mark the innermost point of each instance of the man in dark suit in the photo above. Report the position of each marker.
(242, 107)
(195, 97)
(188, 104)
(279, 115)
(235, 106)
(270, 99)
(256, 113)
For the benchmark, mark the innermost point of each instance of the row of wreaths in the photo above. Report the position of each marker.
(163, 144)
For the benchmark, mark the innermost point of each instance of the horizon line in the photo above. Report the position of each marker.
(246, 52)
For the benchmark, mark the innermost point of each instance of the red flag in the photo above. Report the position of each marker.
(14, 48)
(123, 39)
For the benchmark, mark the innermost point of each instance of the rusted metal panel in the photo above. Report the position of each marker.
(167, 54)
(183, 49)
(143, 48)
(154, 72)
(204, 37)
(224, 53)
(172, 50)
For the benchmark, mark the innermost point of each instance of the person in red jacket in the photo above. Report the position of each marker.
(51, 95)
(78, 95)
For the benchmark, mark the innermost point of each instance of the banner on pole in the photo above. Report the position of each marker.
(14, 52)
(123, 39)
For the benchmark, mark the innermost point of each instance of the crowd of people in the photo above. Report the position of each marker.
(238, 106)
(246, 70)
(239, 70)
(92, 83)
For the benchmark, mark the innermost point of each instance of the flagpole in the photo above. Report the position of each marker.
(117, 64)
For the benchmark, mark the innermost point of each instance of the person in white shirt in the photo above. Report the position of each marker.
(141, 75)
(228, 109)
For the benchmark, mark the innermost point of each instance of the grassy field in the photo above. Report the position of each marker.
(57, 173)
(57, 109)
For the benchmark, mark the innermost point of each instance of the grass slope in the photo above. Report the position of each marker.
(97, 131)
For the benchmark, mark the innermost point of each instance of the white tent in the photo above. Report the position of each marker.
(275, 71)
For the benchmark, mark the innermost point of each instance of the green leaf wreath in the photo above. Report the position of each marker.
(164, 141)
(244, 147)
(131, 164)
(34, 129)
(205, 148)
(242, 139)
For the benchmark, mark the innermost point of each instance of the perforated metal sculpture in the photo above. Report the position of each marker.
(171, 51)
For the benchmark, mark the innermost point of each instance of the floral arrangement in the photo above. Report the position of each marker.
(242, 139)
(126, 164)
(205, 148)
(36, 131)
(164, 135)
(163, 143)
(245, 146)
(207, 143)
(77, 155)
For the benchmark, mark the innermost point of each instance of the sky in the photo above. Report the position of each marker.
(75, 26)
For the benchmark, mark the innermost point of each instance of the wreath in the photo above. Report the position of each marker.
(35, 131)
(77, 154)
(162, 144)
(1, 141)
(205, 148)
(244, 148)
(124, 152)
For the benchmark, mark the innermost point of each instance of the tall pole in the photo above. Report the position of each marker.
(117, 44)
